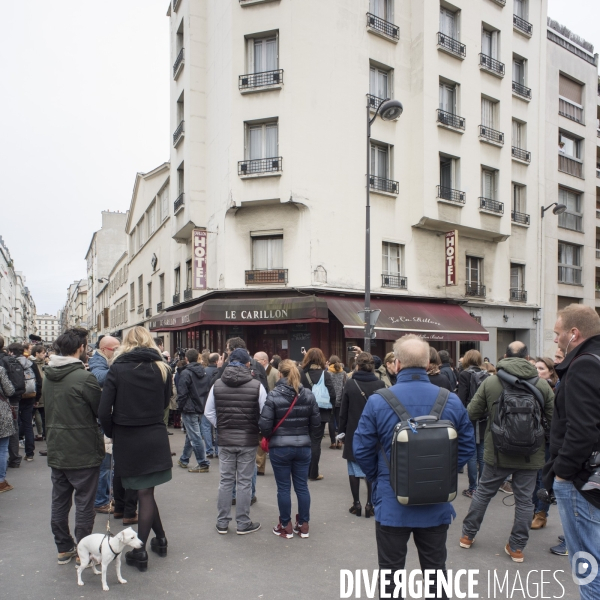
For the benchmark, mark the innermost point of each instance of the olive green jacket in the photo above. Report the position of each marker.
(72, 396)
(489, 392)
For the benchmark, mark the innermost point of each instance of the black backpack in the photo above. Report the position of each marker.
(15, 372)
(476, 379)
(424, 466)
(519, 424)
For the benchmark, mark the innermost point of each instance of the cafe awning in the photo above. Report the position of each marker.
(434, 321)
(245, 311)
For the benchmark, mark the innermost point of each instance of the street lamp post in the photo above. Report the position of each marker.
(389, 110)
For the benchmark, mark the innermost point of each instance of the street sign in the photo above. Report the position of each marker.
(373, 315)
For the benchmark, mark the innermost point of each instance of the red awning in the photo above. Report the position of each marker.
(434, 321)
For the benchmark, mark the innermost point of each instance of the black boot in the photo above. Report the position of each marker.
(137, 558)
(159, 545)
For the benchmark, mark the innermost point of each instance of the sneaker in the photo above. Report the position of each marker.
(198, 469)
(285, 532)
(5, 487)
(29, 458)
(468, 493)
(253, 500)
(516, 555)
(317, 478)
(560, 549)
(182, 464)
(466, 542)
(65, 557)
(43, 452)
(301, 530)
(561, 538)
(250, 529)
(105, 510)
(506, 487)
(222, 530)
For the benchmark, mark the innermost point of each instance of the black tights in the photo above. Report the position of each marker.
(355, 488)
(148, 517)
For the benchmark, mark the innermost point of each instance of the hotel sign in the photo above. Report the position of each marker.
(199, 260)
(450, 250)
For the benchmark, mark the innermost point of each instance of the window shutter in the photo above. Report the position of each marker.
(567, 88)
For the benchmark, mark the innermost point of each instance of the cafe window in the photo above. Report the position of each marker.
(267, 252)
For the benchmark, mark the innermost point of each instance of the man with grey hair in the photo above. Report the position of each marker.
(394, 523)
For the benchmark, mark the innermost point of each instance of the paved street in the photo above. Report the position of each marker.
(203, 564)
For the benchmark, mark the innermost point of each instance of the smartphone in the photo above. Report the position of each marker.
(350, 348)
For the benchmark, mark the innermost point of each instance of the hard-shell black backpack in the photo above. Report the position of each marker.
(424, 465)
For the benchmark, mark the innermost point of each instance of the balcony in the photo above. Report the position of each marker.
(521, 155)
(474, 289)
(178, 134)
(519, 217)
(394, 281)
(178, 64)
(260, 167)
(160, 307)
(491, 65)
(178, 203)
(449, 120)
(187, 294)
(258, 82)
(569, 275)
(266, 276)
(518, 295)
(450, 195)
(522, 26)
(491, 206)
(374, 102)
(570, 110)
(451, 46)
(491, 136)
(140, 309)
(148, 312)
(386, 186)
(571, 166)
(521, 91)
(383, 28)
(176, 298)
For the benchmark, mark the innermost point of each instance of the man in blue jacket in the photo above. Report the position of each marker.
(395, 522)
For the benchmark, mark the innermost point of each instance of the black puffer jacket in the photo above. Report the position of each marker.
(236, 404)
(296, 429)
(193, 386)
(315, 375)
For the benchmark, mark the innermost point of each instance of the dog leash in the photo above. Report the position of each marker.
(108, 534)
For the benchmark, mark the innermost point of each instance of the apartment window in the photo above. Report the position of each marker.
(520, 9)
(488, 183)
(188, 275)
(570, 99)
(180, 179)
(517, 276)
(572, 218)
(391, 259)
(141, 289)
(474, 268)
(569, 146)
(518, 71)
(164, 202)
(161, 287)
(180, 108)
(379, 83)
(448, 97)
(149, 295)
(151, 219)
(518, 134)
(267, 252)
(384, 9)
(177, 281)
(179, 39)
(380, 161)
(569, 263)
(490, 43)
(131, 296)
(449, 23)
(262, 54)
(261, 141)
(518, 198)
(489, 110)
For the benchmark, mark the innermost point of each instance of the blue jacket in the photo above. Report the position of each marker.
(376, 426)
(99, 367)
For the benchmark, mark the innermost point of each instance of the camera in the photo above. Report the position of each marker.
(546, 497)
(593, 483)
(350, 348)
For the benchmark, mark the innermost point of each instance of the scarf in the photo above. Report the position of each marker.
(332, 369)
(364, 376)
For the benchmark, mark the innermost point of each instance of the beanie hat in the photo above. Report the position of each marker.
(239, 355)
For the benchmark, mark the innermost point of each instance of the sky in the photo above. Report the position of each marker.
(84, 106)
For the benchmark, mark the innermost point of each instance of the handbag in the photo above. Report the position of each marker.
(264, 443)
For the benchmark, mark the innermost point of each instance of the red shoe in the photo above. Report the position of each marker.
(284, 532)
(301, 530)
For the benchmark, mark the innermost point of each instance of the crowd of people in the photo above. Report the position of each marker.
(105, 416)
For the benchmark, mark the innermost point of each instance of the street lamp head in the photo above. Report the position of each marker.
(390, 110)
(559, 209)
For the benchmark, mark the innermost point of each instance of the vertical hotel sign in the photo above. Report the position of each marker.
(199, 263)
(450, 248)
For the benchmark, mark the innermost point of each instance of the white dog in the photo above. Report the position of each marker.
(100, 549)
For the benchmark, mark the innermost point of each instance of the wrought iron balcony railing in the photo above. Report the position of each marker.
(178, 203)
(394, 281)
(522, 25)
(176, 298)
(518, 295)
(491, 135)
(570, 110)
(187, 294)
(474, 289)
(258, 80)
(260, 165)
(570, 166)
(382, 26)
(160, 307)
(491, 64)
(491, 205)
(374, 101)
(178, 63)
(262, 276)
(450, 119)
(521, 154)
(519, 217)
(451, 45)
(178, 133)
(451, 195)
(148, 312)
(521, 90)
(380, 184)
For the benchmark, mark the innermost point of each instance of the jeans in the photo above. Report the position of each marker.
(523, 482)
(193, 440)
(40, 421)
(234, 493)
(581, 524)
(235, 462)
(392, 548)
(473, 463)
(14, 456)
(103, 492)
(334, 423)
(26, 424)
(3, 457)
(290, 462)
(315, 446)
(539, 484)
(84, 482)
(207, 433)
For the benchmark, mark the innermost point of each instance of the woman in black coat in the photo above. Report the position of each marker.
(313, 366)
(435, 375)
(136, 392)
(357, 390)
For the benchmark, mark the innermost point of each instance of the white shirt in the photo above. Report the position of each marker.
(210, 411)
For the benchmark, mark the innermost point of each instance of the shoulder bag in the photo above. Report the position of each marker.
(264, 443)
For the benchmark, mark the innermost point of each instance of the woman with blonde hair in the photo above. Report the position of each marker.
(136, 392)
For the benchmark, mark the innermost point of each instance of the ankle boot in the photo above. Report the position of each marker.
(137, 558)
(356, 509)
(159, 545)
(369, 510)
(539, 520)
